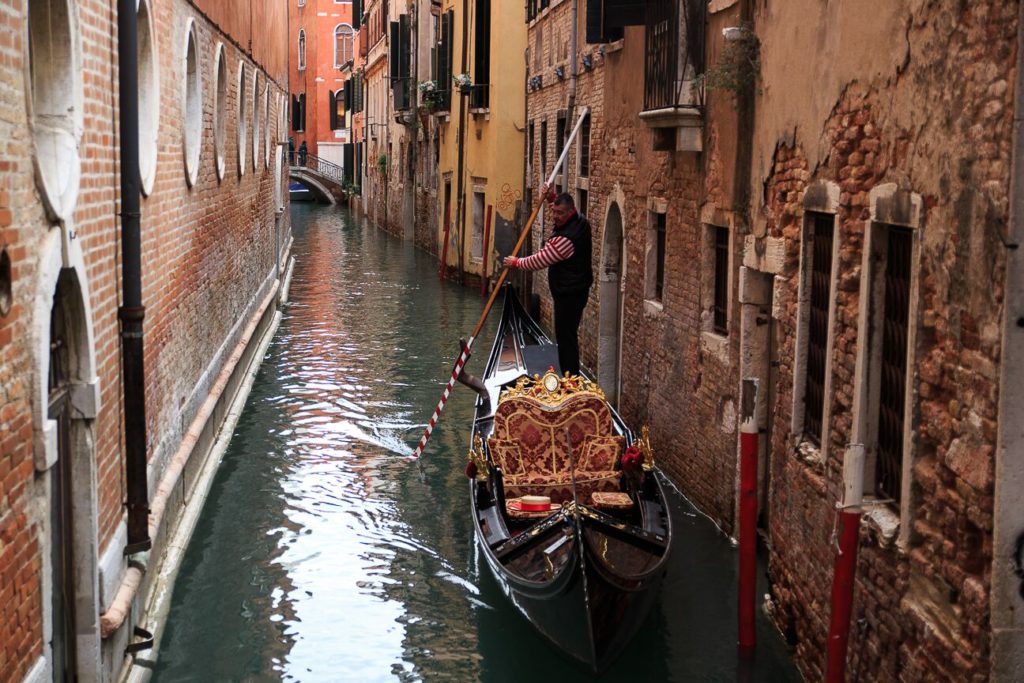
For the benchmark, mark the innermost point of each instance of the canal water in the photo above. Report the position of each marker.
(325, 554)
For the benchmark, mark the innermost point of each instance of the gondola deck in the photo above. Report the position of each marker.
(583, 574)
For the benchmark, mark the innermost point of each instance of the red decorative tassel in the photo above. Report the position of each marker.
(471, 469)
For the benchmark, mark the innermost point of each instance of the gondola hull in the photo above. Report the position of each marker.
(585, 579)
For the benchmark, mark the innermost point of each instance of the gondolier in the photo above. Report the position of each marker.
(567, 256)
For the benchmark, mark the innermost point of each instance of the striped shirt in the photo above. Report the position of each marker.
(558, 248)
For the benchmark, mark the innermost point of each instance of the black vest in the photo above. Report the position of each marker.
(573, 274)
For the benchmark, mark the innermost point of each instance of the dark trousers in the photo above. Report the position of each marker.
(568, 313)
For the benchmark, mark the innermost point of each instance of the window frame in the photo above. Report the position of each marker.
(655, 254)
(351, 44)
(301, 59)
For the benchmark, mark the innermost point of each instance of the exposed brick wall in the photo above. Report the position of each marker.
(668, 382)
(206, 251)
(921, 611)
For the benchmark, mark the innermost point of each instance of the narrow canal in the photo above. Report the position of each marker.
(324, 554)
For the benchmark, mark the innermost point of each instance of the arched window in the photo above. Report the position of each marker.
(342, 45)
(302, 49)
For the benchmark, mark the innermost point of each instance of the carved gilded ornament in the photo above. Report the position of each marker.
(551, 390)
(476, 456)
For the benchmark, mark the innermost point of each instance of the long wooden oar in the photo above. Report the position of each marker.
(468, 346)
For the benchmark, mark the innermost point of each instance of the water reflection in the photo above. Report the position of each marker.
(324, 554)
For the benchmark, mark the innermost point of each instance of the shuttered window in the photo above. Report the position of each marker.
(400, 54)
(480, 95)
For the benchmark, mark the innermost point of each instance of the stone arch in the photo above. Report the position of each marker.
(149, 96)
(611, 278)
(63, 415)
(322, 192)
(55, 101)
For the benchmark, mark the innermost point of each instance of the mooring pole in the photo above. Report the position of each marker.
(749, 442)
(847, 536)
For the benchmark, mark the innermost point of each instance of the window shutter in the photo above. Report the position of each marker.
(333, 111)
(405, 59)
(393, 50)
(619, 13)
(357, 14)
(347, 162)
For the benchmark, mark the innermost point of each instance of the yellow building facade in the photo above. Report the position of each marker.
(481, 132)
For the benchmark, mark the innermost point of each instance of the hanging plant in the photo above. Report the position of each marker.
(738, 66)
(382, 165)
(463, 82)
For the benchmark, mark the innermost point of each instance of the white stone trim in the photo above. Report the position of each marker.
(256, 119)
(822, 198)
(39, 673)
(61, 253)
(149, 96)
(888, 206)
(56, 120)
(241, 117)
(191, 104)
(220, 91)
(715, 342)
(611, 300)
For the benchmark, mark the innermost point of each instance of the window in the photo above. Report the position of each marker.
(149, 97)
(893, 380)
(400, 55)
(302, 3)
(655, 263)
(530, 146)
(721, 290)
(302, 50)
(674, 47)
(443, 56)
(193, 109)
(585, 148)
(255, 120)
(220, 104)
(543, 150)
(479, 203)
(242, 125)
(581, 201)
(480, 95)
(819, 275)
(266, 126)
(299, 112)
(56, 96)
(559, 144)
(336, 108)
(605, 19)
(343, 40)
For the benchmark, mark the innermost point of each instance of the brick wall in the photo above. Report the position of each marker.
(207, 251)
(922, 598)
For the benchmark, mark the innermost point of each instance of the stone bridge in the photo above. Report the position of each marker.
(325, 179)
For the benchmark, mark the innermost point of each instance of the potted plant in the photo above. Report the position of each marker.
(463, 82)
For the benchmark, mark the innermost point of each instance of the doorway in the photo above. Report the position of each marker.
(610, 281)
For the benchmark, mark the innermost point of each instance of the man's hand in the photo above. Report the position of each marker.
(510, 261)
(544, 189)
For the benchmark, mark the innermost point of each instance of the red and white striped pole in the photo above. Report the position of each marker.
(749, 442)
(467, 347)
(847, 536)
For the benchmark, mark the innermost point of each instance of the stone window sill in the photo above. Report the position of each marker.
(653, 308)
(716, 345)
(883, 521)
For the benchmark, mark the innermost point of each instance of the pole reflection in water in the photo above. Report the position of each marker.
(325, 554)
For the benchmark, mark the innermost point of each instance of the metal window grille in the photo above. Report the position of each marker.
(585, 148)
(659, 271)
(559, 143)
(543, 148)
(892, 395)
(721, 305)
(821, 226)
(674, 48)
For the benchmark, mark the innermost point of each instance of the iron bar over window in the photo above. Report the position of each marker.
(585, 148)
(821, 226)
(721, 304)
(659, 272)
(674, 51)
(892, 394)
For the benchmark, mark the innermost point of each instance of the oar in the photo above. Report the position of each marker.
(468, 346)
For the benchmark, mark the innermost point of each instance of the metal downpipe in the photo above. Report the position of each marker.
(131, 312)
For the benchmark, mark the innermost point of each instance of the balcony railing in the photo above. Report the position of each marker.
(674, 53)
(480, 96)
(327, 169)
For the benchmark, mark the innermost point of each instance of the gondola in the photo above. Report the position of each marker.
(567, 507)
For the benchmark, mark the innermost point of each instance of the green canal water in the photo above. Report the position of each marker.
(325, 554)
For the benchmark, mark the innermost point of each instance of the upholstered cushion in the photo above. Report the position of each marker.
(559, 486)
(541, 430)
(601, 452)
(507, 455)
